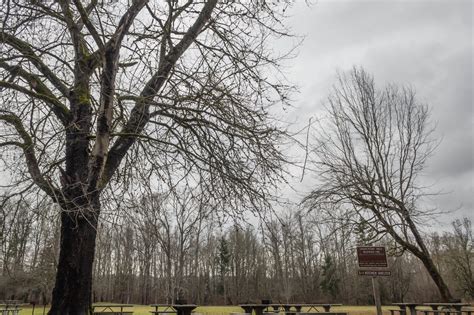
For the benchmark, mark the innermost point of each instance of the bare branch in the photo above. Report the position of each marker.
(28, 149)
(42, 91)
(27, 51)
(140, 113)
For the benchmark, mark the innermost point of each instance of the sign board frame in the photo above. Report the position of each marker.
(372, 257)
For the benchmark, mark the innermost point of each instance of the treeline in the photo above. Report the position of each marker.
(158, 250)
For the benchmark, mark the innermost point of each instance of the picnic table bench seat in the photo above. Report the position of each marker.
(447, 312)
(10, 311)
(324, 313)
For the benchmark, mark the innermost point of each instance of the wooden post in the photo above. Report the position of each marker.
(378, 305)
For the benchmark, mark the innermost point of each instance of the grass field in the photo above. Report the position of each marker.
(225, 310)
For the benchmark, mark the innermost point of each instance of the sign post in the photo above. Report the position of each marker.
(373, 258)
(375, 286)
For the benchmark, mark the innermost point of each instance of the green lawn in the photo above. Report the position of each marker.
(225, 310)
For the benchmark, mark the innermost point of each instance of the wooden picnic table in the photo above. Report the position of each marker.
(410, 306)
(184, 309)
(179, 309)
(5, 311)
(299, 306)
(165, 309)
(456, 306)
(276, 307)
(112, 309)
(325, 306)
(11, 307)
(288, 307)
(258, 308)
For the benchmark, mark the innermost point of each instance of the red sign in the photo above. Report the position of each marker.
(375, 273)
(372, 257)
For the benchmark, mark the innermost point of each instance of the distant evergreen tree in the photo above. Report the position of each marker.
(223, 261)
(330, 280)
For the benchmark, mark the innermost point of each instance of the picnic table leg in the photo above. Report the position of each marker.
(412, 310)
(247, 309)
(327, 308)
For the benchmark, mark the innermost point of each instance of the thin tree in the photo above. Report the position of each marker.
(459, 254)
(368, 159)
(97, 95)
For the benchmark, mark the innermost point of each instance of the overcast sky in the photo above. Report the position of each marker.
(427, 44)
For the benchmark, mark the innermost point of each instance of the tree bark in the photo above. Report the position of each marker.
(437, 279)
(73, 288)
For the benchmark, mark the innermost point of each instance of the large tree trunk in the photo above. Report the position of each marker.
(425, 257)
(72, 291)
(437, 279)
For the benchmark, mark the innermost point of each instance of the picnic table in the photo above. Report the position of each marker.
(7, 311)
(325, 306)
(178, 309)
(184, 309)
(276, 307)
(299, 306)
(407, 306)
(288, 307)
(10, 307)
(112, 309)
(456, 306)
(445, 308)
(165, 309)
(258, 308)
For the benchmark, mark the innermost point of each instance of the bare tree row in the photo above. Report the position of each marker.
(163, 249)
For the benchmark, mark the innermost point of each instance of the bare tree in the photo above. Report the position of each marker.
(369, 158)
(95, 94)
(459, 254)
